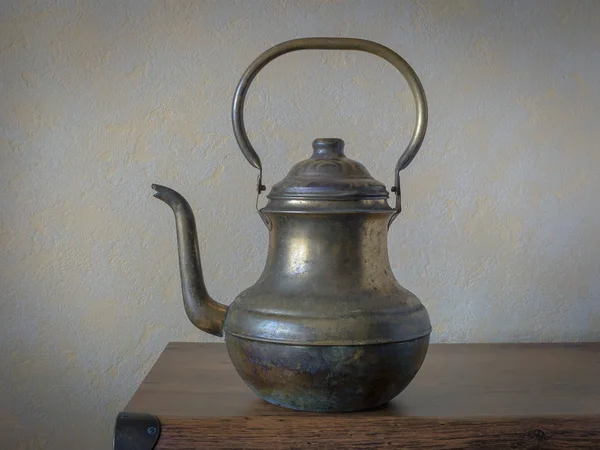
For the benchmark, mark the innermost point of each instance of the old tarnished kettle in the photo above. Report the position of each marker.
(326, 327)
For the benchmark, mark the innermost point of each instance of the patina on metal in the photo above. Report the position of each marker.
(327, 327)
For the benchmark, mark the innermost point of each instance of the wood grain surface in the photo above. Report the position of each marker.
(465, 396)
(270, 432)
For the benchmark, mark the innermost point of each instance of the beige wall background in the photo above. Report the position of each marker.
(500, 236)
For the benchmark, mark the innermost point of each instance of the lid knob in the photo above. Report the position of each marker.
(325, 148)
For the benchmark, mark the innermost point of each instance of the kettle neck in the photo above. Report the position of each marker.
(324, 248)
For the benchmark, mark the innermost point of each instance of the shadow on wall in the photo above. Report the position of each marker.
(500, 224)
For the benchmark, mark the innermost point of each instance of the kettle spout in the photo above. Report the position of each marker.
(204, 312)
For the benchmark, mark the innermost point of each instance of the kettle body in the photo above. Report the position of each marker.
(327, 327)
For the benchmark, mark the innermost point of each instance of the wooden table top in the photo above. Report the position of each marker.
(456, 381)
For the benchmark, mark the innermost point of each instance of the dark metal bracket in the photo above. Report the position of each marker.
(136, 431)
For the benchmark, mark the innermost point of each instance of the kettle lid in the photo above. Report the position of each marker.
(328, 175)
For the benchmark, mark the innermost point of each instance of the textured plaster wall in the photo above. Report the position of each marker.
(500, 236)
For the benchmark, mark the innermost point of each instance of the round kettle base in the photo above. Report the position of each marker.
(327, 378)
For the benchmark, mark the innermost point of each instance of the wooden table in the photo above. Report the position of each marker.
(465, 396)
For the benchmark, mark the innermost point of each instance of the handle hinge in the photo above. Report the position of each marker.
(396, 190)
(259, 188)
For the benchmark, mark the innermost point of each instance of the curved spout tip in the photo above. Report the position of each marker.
(167, 195)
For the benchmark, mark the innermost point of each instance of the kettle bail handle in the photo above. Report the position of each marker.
(332, 43)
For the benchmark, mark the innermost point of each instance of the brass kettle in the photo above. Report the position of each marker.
(326, 327)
